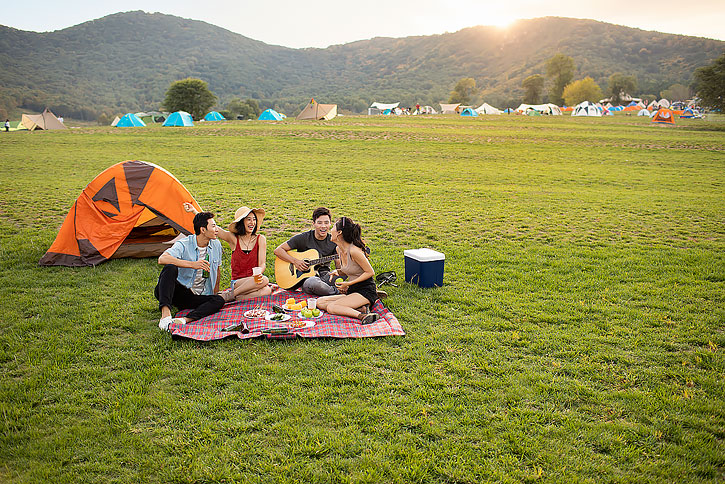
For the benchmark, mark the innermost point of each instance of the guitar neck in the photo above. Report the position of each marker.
(323, 260)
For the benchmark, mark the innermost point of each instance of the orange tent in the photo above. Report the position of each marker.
(663, 116)
(132, 209)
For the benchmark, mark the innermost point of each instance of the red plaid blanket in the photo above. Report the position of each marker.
(326, 326)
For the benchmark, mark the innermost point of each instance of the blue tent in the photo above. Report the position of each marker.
(508, 111)
(469, 112)
(130, 120)
(214, 116)
(632, 104)
(270, 115)
(688, 113)
(179, 118)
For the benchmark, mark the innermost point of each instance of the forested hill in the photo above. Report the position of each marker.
(125, 62)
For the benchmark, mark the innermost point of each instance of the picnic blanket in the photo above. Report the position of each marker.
(326, 326)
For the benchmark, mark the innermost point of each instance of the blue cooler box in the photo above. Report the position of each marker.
(424, 267)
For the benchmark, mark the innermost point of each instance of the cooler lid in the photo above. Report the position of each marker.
(424, 255)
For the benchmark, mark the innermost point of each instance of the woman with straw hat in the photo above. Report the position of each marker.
(249, 253)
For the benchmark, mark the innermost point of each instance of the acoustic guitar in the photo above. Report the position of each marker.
(289, 277)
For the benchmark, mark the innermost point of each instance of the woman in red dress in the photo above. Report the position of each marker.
(249, 250)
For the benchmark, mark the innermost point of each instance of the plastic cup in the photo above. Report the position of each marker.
(257, 273)
(311, 303)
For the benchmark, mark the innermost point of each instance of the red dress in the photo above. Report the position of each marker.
(242, 263)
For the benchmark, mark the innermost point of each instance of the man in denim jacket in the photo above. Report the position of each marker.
(190, 278)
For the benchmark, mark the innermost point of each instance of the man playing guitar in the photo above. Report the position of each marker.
(318, 239)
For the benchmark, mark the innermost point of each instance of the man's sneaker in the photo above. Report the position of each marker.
(370, 318)
(227, 295)
(382, 294)
(164, 323)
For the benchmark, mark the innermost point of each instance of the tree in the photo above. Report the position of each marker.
(561, 68)
(190, 95)
(533, 85)
(582, 90)
(618, 85)
(710, 84)
(676, 92)
(248, 109)
(464, 91)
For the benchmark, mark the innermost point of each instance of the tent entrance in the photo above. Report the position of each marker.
(148, 239)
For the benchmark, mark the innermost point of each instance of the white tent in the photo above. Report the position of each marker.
(115, 121)
(383, 106)
(542, 108)
(653, 105)
(449, 108)
(644, 112)
(586, 109)
(664, 103)
(428, 110)
(488, 109)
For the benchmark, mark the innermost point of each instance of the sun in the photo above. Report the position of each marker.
(501, 21)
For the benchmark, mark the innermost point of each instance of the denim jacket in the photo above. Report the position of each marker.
(186, 249)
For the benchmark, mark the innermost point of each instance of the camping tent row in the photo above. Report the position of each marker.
(551, 109)
(393, 108)
(131, 209)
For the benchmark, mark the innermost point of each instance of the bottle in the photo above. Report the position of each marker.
(205, 273)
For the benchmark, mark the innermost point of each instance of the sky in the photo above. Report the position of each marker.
(320, 23)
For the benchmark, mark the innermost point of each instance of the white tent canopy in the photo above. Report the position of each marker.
(664, 103)
(428, 110)
(542, 108)
(449, 108)
(486, 108)
(644, 112)
(586, 109)
(383, 106)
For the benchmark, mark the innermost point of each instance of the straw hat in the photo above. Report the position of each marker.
(242, 213)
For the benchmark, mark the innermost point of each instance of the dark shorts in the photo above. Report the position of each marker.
(366, 289)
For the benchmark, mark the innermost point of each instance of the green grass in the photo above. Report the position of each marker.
(578, 336)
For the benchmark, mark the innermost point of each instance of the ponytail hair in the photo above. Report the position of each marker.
(351, 233)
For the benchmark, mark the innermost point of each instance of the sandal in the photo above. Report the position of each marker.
(369, 318)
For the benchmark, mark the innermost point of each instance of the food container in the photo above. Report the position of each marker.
(424, 267)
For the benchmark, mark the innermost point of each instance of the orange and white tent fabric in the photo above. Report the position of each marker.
(663, 116)
(132, 209)
(44, 120)
(315, 110)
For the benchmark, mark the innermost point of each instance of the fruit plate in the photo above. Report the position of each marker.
(300, 325)
(301, 316)
(256, 313)
(277, 317)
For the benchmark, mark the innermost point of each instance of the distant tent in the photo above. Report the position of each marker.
(688, 113)
(315, 110)
(508, 111)
(383, 106)
(644, 112)
(147, 118)
(131, 209)
(45, 120)
(487, 109)
(115, 121)
(632, 107)
(130, 120)
(632, 104)
(428, 110)
(663, 116)
(270, 115)
(586, 108)
(663, 103)
(532, 112)
(653, 106)
(214, 116)
(179, 118)
(469, 112)
(386, 112)
(449, 108)
(541, 108)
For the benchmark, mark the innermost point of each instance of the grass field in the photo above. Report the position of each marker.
(579, 335)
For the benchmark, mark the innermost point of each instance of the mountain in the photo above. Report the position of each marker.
(126, 61)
